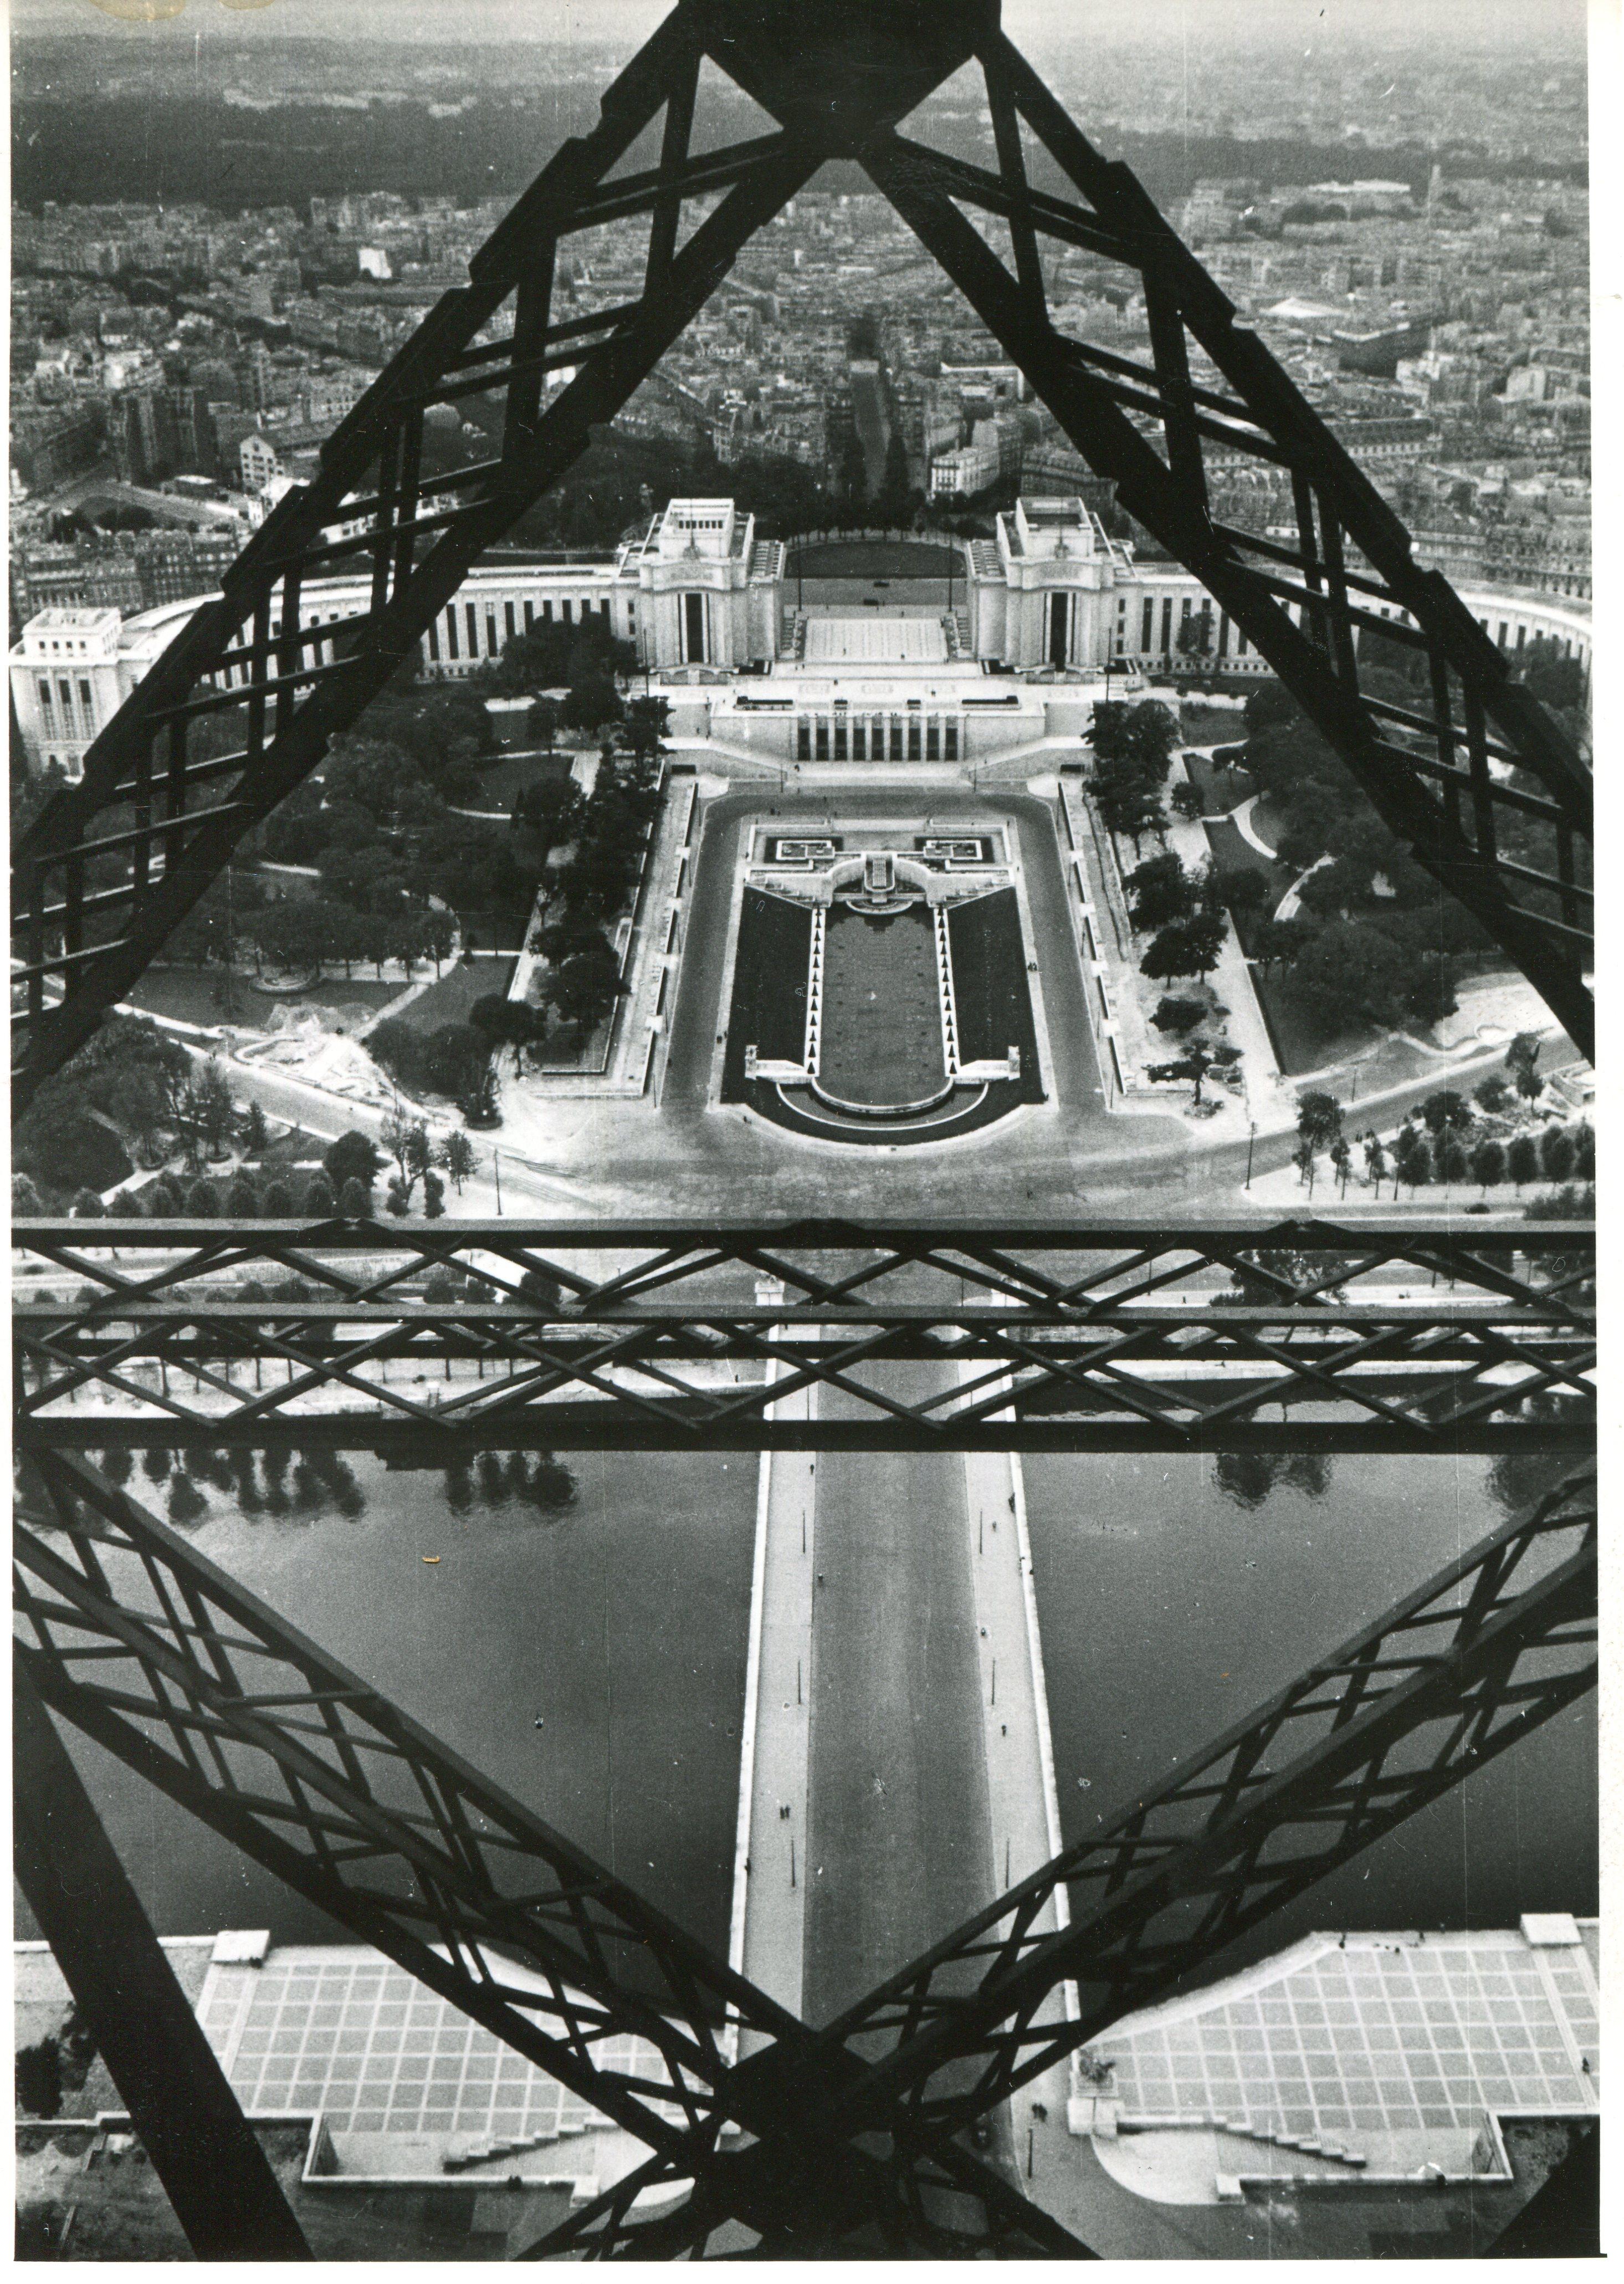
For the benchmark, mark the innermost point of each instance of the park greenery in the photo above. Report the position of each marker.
(1506, 1133)
(1183, 913)
(227, 1169)
(1375, 938)
(400, 862)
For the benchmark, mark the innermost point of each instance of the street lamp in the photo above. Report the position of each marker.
(1252, 1136)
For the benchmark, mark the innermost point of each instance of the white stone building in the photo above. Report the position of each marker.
(1047, 605)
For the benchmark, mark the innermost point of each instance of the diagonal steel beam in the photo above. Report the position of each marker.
(147, 1647)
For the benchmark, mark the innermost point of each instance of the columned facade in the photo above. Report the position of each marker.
(1051, 601)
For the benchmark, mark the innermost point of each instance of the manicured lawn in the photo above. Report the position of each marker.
(989, 986)
(449, 1000)
(503, 780)
(1300, 1039)
(1210, 725)
(1267, 822)
(769, 986)
(1300, 1043)
(882, 1016)
(196, 994)
(873, 558)
(1221, 790)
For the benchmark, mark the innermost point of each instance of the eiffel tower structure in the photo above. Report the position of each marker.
(854, 2138)
(1479, 784)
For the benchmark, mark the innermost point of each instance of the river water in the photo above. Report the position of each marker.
(1172, 1600)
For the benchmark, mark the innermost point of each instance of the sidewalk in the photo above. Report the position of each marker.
(769, 1923)
(1020, 1772)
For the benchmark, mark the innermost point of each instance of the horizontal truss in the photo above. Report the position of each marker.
(1475, 778)
(1401, 1335)
(844, 2135)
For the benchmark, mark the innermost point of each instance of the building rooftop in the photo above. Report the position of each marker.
(1390, 2050)
(338, 2028)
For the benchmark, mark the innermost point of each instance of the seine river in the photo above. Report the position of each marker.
(1171, 1602)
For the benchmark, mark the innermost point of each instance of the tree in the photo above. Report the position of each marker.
(1430, 995)
(407, 1141)
(1319, 1117)
(648, 721)
(1279, 942)
(352, 1157)
(1303, 1159)
(583, 989)
(288, 937)
(279, 1203)
(212, 1107)
(241, 1204)
(1178, 1015)
(1584, 1151)
(1207, 930)
(38, 2080)
(1340, 1154)
(1189, 947)
(542, 723)
(1446, 1110)
(1492, 1094)
(1521, 1057)
(1194, 1063)
(1142, 737)
(355, 1200)
(514, 1023)
(320, 1203)
(1348, 970)
(1186, 802)
(550, 811)
(1522, 1159)
(254, 1131)
(433, 1194)
(1412, 1158)
(1375, 1160)
(1453, 1163)
(203, 1200)
(458, 1158)
(1130, 807)
(1240, 889)
(1160, 891)
(1489, 1163)
(1171, 954)
(592, 702)
(25, 1198)
(1268, 704)
(88, 1206)
(1556, 1154)
(543, 1288)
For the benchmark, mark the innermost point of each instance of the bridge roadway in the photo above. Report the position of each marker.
(899, 1833)
(897, 1771)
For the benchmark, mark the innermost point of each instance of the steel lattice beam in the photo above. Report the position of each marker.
(1477, 779)
(1126, 1336)
(193, 1682)
(843, 2136)
(1495, 1645)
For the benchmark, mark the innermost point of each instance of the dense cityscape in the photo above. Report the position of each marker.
(1415, 252)
(478, 1222)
